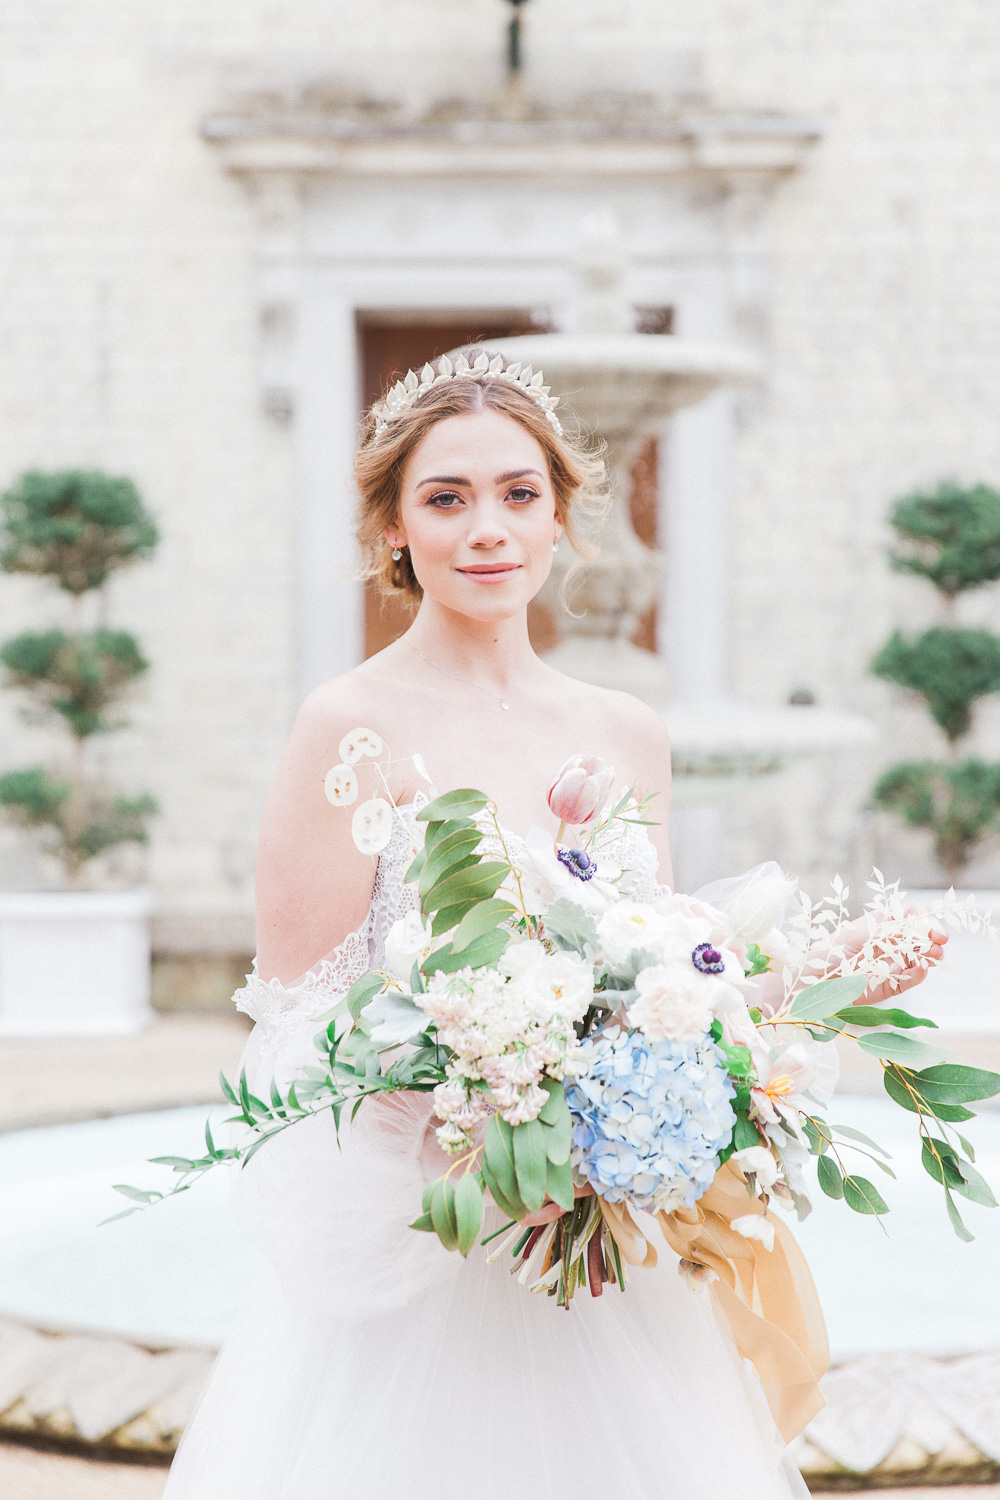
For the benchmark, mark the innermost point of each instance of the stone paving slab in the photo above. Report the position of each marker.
(26, 1474)
(175, 1061)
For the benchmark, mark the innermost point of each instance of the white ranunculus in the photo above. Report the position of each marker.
(629, 926)
(518, 957)
(408, 942)
(755, 1227)
(559, 984)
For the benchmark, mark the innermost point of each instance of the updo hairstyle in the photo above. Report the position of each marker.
(577, 472)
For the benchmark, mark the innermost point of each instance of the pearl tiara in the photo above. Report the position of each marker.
(406, 392)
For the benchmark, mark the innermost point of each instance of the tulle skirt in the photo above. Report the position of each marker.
(370, 1363)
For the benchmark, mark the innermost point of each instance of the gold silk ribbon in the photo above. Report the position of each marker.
(766, 1298)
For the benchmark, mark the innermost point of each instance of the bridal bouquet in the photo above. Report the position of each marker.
(613, 1056)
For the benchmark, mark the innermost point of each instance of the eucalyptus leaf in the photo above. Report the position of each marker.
(514, 1209)
(954, 1083)
(830, 1179)
(559, 1138)
(499, 1154)
(863, 1196)
(866, 1140)
(556, 1104)
(483, 950)
(559, 1183)
(425, 1223)
(974, 1186)
(898, 1047)
(363, 990)
(530, 1162)
(485, 918)
(940, 1161)
(475, 884)
(901, 1086)
(464, 803)
(827, 997)
(443, 1213)
(468, 1211)
(956, 1219)
(880, 1015)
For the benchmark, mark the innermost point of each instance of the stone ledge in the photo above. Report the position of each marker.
(891, 1421)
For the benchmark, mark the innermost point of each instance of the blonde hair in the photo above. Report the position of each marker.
(578, 474)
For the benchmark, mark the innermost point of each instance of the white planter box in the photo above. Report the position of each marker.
(74, 963)
(963, 995)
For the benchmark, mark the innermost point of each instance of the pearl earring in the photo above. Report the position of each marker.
(396, 554)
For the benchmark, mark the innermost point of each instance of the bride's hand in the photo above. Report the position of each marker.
(550, 1211)
(853, 938)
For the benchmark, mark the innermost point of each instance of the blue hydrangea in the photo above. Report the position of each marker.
(650, 1118)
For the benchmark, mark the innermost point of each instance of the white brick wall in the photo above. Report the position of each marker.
(128, 340)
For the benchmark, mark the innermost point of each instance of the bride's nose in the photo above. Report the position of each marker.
(488, 527)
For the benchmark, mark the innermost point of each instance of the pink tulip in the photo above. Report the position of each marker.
(580, 789)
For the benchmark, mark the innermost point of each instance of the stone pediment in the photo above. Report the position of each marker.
(268, 137)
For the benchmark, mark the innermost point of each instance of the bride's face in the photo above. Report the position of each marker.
(478, 513)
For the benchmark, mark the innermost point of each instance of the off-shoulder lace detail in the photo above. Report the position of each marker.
(277, 1006)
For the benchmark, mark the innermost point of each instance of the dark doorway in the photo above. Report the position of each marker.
(388, 347)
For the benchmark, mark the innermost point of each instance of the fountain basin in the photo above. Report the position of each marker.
(627, 383)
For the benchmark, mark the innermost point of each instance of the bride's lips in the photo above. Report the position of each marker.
(490, 572)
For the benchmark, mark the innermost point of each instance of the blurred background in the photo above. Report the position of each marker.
(772, 229)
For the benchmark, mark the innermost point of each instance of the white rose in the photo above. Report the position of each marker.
(409, 942)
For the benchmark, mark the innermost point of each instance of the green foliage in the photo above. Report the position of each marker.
(76, 676)
(950, 669)
(34, 797)
(959, 804)
(75, 829)
(76, 527)
(954, 535)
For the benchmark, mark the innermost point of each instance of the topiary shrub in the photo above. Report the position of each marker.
(954, 542)
(77, 528)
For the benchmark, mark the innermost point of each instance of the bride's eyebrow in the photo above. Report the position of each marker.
(516, 474)
(444, 479)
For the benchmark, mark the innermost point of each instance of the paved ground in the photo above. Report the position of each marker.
(175, 1061)
(27, 1475)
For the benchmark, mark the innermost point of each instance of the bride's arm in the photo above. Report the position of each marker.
(313, 885)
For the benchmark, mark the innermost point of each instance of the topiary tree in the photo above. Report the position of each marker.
(953, 538)
(75, 527)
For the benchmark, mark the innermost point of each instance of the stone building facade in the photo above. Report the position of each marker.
(204, 207)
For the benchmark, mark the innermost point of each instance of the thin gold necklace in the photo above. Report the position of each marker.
(466, 680)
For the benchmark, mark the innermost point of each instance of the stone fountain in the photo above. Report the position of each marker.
(623, 386)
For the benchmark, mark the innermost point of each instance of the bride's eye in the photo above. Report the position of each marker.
(521, 494)
(445, 500)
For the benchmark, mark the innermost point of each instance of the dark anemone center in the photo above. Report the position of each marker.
(708, 960)
(578, 862)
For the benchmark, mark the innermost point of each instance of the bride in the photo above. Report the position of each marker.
(368, 1362)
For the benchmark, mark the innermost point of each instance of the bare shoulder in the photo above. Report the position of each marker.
(637, 731)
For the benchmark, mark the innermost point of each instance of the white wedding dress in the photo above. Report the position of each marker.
(370, 1363)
